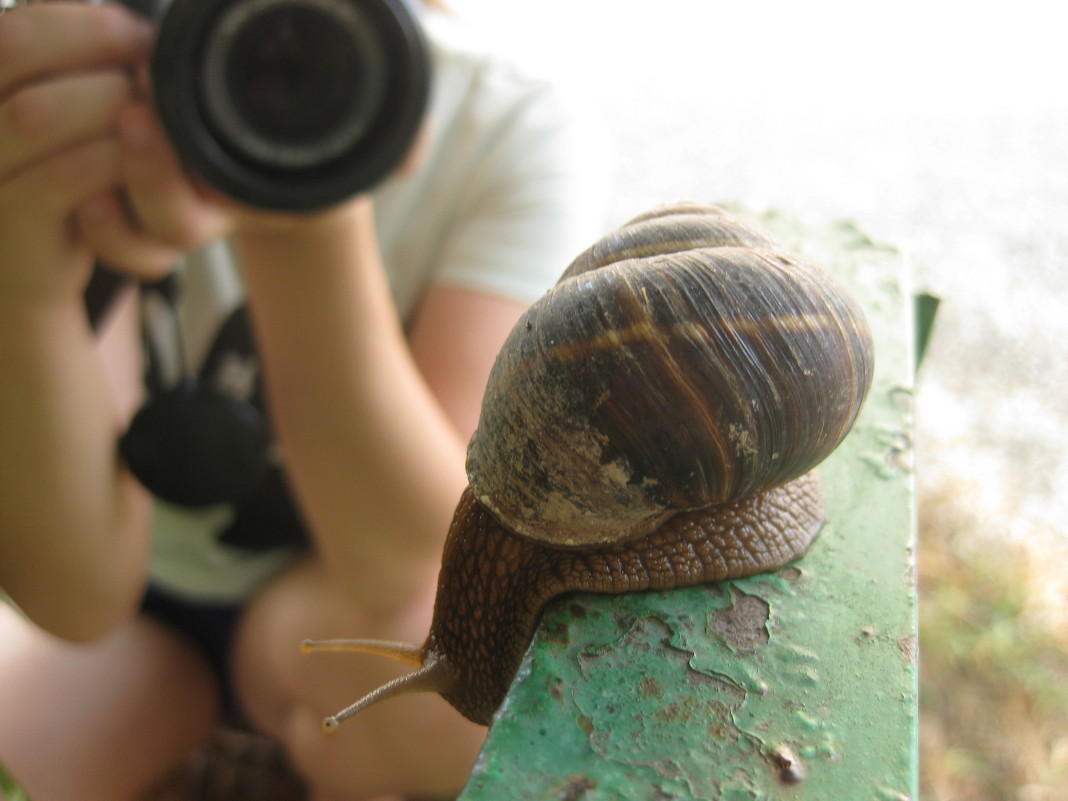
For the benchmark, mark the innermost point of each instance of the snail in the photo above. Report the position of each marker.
(651, 422)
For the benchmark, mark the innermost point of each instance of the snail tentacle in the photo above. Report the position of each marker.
(432, 677)
(406, 653)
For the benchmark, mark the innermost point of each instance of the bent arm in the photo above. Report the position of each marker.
(373, 427)
(73, 522)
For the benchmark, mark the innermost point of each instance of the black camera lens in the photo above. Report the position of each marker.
(273, 79)
(291, 104)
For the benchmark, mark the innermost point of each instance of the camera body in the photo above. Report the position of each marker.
(291, 105)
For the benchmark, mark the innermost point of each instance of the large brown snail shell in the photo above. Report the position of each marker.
(679, 363)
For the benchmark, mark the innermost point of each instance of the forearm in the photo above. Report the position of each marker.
(72, 521)
(377, 465)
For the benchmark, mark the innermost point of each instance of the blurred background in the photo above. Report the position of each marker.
(940, 127)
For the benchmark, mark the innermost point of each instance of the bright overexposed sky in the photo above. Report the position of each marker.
(911, 53)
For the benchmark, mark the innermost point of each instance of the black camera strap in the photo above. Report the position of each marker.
(192, 445)
(101, 293)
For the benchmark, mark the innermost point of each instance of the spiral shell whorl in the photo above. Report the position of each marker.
(679, 362)
(668, 229)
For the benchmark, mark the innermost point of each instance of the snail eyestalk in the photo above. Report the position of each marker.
(404, 652)
(431, 677)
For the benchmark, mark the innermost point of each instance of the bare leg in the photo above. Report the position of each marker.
(415, 745)
(99, 722)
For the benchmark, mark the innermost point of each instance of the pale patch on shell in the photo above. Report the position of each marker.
(742, 439)
(613, 508)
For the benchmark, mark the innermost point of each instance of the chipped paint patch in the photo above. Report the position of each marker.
(744, 624)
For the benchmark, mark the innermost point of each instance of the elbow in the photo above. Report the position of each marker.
(94, 622)
(85, 625)
(79, 582)
(102, 604)
(82, 611)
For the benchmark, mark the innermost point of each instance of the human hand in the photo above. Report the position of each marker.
(64, 76)
(158, 212)
(85, 171)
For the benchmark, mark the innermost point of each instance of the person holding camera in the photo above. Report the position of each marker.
(139, 621)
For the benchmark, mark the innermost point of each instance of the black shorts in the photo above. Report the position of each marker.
(209, 627)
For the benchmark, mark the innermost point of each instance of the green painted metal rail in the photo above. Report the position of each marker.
(797, 685)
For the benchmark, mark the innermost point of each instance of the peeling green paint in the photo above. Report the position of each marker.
(795, 685)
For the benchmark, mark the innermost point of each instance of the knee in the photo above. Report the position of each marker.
(415, 744)
(262, 664)
(420, 747)
(272, 674)
(98, 711)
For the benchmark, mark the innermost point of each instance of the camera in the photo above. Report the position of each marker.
(290, 105)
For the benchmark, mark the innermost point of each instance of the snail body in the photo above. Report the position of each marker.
(652, 422)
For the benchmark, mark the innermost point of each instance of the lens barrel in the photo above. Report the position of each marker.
(292, 105)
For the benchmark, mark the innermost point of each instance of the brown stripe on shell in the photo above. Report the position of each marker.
(647, 333)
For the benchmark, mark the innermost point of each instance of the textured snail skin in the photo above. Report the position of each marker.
(652, 422)
(494, 584)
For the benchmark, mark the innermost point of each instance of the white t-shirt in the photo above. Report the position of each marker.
(513, 187)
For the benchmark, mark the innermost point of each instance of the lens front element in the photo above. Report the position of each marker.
(293, 82)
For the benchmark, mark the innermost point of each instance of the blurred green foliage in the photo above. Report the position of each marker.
(993, 669)
(11, 791)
